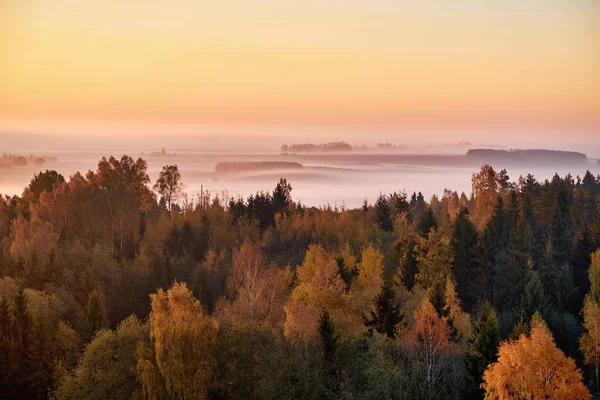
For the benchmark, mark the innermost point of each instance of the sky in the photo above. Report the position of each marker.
(380, 64)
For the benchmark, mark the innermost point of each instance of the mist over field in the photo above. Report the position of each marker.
(335, 179)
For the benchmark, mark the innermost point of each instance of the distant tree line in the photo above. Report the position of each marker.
(529, 156)
(8, 159)
(310, 147)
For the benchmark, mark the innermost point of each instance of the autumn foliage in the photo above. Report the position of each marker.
(114, 288)
(532, 367)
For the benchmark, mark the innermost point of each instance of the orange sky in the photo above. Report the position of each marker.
(357, 62)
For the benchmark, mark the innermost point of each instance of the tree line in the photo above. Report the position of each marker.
(115, 287)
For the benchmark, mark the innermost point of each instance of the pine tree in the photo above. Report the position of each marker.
(483, 347)
(385, 315)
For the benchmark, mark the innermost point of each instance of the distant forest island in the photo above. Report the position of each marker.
(337, 147)
(311, 148)
(532, 155)
(8, 160)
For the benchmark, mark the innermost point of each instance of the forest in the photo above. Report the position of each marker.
(116, 287)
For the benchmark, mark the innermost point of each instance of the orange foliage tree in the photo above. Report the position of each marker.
(319, 287)
(532, 367)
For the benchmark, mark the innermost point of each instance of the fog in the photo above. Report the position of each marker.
(341, 179)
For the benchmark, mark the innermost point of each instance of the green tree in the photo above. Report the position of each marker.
(512, 276)
(282, 199)
(520, 328)
(427, 222)
(534, 297)
(561, 226)
(434, 258)
(483, 348)
(383, 213)
(107, 368)
(329, 343)
(466, 269)
(44, 182)
(385, 317)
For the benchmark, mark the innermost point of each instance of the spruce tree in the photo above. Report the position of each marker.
(483, 348)
(521, 327)
(466, 267)
(561, 226)
(511, 281)
(534, 298)
(385, 315)
(329, 342)
(383, 214)
(427, 222)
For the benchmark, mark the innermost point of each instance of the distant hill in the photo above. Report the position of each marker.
(310, 147)
(526, 156)
(242, 166)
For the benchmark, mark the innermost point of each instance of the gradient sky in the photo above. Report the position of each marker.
(352, 62)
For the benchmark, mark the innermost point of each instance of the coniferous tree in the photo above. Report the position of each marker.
(521, 327)
(383, 214)
(427, 222)
(512, 277)
(22, 349)
(417, 206)
(487, 251)
(583, 248)
(282, 199)
(534, 297)
(385, 315)
(466, 269)
(329, 343)
(6, 345)
(483, 347)
(400, 204)
(561, 225)
(595, 231)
